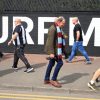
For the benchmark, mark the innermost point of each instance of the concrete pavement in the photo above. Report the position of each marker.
(73, 76)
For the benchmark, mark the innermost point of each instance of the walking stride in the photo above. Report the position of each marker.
(19, 40)
(78, 42)
(94, 79)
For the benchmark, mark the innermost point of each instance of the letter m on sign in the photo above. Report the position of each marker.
(93, 27)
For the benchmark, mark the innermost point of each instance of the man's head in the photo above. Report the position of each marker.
(75, 20)
(60, 21)
(17, 22)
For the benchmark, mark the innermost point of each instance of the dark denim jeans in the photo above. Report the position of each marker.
(78, 46)
(56, 70)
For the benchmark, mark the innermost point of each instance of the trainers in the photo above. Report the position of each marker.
(29, 70)
(92, 86)
(15, 68)
(88, 62)
(68, 61)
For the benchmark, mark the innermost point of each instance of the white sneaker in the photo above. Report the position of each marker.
(68, 61)
(88, 62)
(92, 86)
(29, 70)
(15, 68)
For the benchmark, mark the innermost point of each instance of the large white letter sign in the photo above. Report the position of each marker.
(4, 29)
(94, 25)
(41, 30)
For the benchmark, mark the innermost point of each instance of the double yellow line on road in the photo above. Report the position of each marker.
(38, 97)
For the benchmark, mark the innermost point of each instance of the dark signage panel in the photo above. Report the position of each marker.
(37, 24)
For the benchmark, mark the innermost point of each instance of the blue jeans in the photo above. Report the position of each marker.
(78, 46)
(56, 70)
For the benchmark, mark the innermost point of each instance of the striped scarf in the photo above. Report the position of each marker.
(60, 43)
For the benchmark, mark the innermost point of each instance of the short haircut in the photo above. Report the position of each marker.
(75, 18)
(60, 19)
(18, 20)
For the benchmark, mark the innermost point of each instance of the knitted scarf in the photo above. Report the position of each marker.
(60, 43)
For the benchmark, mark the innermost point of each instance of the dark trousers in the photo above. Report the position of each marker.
(19, 53)
(1, 54)
(66, 54)
(56, 70)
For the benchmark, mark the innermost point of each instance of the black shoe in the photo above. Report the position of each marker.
(92, 86)
(29, 70)
(1, 55)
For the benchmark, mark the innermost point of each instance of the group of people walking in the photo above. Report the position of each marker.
(55, 46)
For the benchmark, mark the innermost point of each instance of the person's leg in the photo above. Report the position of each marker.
(16, 58)
(1, 54)
(72, 52)
(20, 54)
(54, 81)
(66, 54)
(82, 50)
(49, 68)
(96, 75)
(57, 69)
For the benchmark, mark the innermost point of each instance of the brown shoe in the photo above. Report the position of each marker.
(55, 83)
(46, 82)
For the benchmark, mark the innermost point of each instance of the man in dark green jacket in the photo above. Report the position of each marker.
(54, 48)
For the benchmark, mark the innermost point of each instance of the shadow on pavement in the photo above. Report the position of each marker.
(80, 60)
(5, 72)
(9, 71)
(35, 66)
(72, 77)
